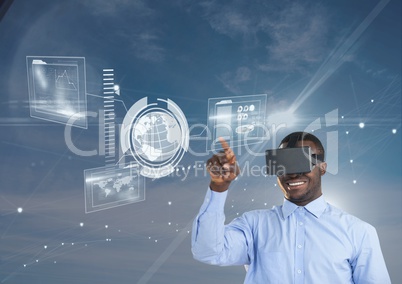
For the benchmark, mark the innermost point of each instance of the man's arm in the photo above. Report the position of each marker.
(212, 241)
(369, 265)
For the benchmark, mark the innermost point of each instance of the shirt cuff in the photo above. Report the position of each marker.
(215, 201)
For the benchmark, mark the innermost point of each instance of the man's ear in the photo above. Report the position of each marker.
(323, 168)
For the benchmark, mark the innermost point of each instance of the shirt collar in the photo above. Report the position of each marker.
(315, 207)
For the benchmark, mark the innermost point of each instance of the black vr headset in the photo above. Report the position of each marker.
(291, 160)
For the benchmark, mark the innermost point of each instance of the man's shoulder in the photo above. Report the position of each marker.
(346, 217)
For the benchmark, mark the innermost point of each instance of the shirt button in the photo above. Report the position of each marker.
(299, 246)
(299, 271)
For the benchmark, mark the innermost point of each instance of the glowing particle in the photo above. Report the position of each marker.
(245, 189)
(156, 241)
(372, 101)
(54, 262)
(354, 181)
(265, 204)
(45, 247)
(62, 244)
(37, 260)
(106, 226)
(19, 210)
(25, 265)
(394, 131)
(252, 200)
(81, 224)
(169, 223)
(188, 232)
(361, 125)
(170, 203)
(351, 161)
(342, 117)
(72, 244)
(149, 238)
(232, 206)
(347, 132)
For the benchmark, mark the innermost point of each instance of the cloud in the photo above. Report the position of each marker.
(232, 80)
(298, 36)
(294, 34)
(137, 26)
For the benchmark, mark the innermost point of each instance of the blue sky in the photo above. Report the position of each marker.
(310, 57)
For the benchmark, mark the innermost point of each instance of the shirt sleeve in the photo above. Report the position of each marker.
(214, 243)
(369, 266)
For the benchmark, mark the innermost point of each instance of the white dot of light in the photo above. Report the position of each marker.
(45, 247)
(342, 117)
(351, 161)
(25, 265)
(372, 101)
(19, 209)
(81, 224)
(361, 125)
(347, 132)
(106, 226)
(394, 131)
(169, 223)
(170, 203)
(354, 181)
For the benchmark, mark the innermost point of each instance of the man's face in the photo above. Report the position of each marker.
(305, 187)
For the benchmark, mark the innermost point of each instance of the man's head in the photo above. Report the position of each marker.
(304, 187)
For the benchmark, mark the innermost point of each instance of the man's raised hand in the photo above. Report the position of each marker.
(223, 168)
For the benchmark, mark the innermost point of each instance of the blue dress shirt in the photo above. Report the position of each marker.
(317, 243)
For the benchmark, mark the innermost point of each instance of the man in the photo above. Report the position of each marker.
(306, 240)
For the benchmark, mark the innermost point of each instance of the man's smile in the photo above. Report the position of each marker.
(295, 184)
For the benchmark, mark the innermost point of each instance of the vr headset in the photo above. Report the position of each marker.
(291, 160)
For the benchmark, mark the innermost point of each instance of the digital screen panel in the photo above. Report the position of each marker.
(57, 89)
